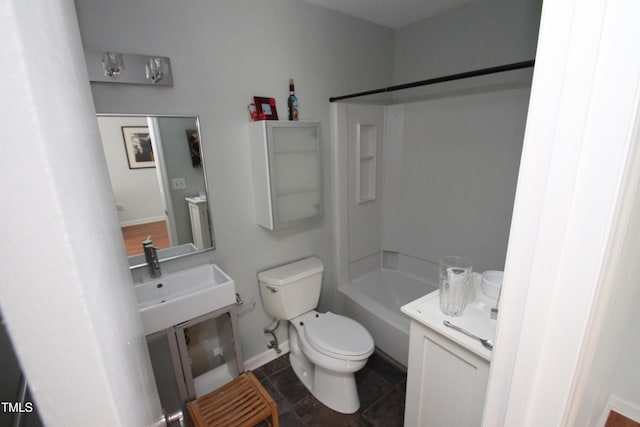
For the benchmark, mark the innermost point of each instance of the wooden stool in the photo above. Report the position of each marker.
(242, 402)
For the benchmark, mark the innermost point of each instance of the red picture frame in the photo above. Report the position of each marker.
(266, 108)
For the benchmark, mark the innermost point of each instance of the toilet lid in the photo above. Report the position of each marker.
(337, 335)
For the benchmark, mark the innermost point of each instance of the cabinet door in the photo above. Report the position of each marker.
(210, 351)
(296, 185)
(446, 384)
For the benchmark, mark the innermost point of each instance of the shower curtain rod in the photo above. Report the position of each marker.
(451, 77)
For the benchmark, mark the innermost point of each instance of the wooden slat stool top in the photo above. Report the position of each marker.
(242, 402)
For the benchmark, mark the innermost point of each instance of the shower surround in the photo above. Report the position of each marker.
(414, 182)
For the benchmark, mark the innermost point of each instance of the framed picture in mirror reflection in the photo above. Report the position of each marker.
(137, 143)
(193, 139)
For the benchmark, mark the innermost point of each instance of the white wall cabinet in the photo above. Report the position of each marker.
(287, 174)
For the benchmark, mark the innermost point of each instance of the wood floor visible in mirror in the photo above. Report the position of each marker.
(134, 235)
(617, 420)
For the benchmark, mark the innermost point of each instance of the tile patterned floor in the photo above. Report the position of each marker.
(381, 386)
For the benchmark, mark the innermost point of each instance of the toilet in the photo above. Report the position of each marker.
(326, 349)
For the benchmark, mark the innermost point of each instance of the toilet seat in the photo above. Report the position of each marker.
(338, 336)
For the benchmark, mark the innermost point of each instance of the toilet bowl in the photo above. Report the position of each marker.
(326, 349)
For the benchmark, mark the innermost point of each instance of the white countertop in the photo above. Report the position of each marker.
(196, 199)
(475, 319)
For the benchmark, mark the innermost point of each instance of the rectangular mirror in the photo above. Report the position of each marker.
(156, 167)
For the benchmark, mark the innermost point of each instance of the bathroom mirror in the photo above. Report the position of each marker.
(156, 168)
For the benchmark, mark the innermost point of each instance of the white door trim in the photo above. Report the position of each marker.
(582, 109)
(67, 295)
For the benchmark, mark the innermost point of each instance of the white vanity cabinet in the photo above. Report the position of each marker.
(287, 175)
(199, 214)
(448, 372)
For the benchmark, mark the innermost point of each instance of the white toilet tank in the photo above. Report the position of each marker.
(291, 289)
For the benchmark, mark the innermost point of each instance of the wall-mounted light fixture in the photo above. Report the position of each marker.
(113, 64)
(155, 68)
(109, 67)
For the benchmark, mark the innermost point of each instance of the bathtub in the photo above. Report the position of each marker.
(374, 299)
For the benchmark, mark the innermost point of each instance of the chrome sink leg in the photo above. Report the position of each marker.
(176, 417)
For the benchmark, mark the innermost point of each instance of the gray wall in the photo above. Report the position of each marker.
(222, 54)
(479, 34)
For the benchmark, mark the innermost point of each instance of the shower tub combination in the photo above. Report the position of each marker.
(389, 212)
(374, 299)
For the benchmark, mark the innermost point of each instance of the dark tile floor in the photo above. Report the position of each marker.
(381, 386)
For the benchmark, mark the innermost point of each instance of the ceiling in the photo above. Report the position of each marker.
(390, 13)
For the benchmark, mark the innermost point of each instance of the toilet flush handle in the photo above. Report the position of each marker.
(272, 289)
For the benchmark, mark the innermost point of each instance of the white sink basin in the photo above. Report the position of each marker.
(177, 297)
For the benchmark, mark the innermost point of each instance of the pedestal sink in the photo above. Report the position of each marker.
(177, 297)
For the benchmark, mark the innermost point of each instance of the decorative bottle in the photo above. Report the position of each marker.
(292, 102)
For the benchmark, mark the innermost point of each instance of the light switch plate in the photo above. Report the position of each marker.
(179, 183)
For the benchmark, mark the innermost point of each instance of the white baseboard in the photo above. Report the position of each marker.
(266, 357)
(625, 408)
(142, 221)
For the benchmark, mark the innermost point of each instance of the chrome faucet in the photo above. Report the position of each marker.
(151, 256)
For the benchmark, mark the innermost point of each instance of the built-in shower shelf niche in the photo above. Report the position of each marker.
(367, 145)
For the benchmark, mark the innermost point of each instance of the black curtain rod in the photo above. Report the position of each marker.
(459, 76)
